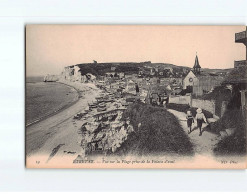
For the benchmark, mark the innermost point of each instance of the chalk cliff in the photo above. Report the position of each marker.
(51, 78)
(73, 74)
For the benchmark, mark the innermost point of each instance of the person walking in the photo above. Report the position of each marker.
(200, 118)
(190, 120)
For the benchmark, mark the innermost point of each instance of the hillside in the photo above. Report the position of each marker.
(156, 131)
(222, 72)
(169, 70)
(127, 67)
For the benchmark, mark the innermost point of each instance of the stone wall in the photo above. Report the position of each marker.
(179, 99)
(208, 105)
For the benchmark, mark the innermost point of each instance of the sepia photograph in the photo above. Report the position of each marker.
(135, 96)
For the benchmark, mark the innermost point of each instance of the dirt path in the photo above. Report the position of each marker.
(202, 144)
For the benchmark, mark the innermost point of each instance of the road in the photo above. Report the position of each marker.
(202, 144)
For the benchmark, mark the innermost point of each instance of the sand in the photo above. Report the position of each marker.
(58, 134)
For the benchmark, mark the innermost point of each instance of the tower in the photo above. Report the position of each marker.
(241, 37)
(197, 67)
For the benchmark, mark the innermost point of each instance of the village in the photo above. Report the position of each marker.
(104, 126)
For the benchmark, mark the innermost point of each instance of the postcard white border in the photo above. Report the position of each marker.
(15, 14)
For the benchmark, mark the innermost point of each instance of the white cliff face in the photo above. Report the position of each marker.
(51, 78)
(73, 74)
(77, 73)
(68, 73)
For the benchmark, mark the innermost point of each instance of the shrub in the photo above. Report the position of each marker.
(219, 93)
(232, 145)
(160, 132)
(236, 143)
(230, 119)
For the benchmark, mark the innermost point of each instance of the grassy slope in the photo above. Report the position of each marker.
(236, 143)
(160, 132)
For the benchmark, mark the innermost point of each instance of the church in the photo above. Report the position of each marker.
(199, 82)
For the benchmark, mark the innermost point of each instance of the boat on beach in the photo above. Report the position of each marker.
(78, 116)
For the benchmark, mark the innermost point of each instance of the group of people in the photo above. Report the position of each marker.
(200, 118)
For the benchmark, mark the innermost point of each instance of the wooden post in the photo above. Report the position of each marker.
(243, 102)
(190, 99)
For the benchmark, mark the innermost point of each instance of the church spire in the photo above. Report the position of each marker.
(197, 67)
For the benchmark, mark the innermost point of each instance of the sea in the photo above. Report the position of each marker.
(45, 98)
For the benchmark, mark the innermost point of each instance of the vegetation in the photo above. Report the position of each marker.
(237, 75)
(100, 69)
(235, 143)
(219, 93)
(156, 131)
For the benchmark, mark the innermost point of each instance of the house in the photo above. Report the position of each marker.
(121, 75)
(140, 73)
(109, 74)
(130, 87)
(161, 73)
(199, 82)
(189, 80)
(146, 71)
(192, 76)
(113, 68)
(237, 78)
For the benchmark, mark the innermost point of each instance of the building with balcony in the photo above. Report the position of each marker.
(241, 37)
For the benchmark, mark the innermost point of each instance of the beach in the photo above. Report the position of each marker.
(59, 129)
(46, 98)
(58, 141)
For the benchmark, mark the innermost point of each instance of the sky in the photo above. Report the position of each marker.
(49, 48)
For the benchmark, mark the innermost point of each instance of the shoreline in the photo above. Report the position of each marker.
(56, 143)
(59, 124)
(57, 110)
